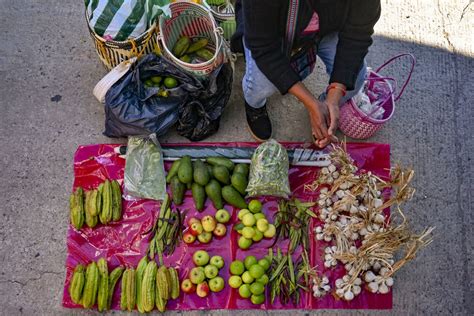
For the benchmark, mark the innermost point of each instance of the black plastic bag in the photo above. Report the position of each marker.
(133, 109)
(200, 116)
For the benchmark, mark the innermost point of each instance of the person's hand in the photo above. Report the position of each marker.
(320, 118)
(333, 109)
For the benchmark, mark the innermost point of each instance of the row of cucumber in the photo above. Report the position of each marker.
(217, 178)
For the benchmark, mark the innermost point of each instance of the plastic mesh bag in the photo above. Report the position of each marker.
(144, 170)
(269, 171)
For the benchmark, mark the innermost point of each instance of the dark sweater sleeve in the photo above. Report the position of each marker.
(355, 39)
(263, 39)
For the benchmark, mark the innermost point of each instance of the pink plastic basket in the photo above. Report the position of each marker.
(354, 123)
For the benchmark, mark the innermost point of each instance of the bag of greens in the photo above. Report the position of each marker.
(269, 171)
(144, 170)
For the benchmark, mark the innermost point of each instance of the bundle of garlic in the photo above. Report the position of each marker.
(351, 207)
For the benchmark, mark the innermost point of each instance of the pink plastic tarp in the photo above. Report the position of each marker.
(126, 242)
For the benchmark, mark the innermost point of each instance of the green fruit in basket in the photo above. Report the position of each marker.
(197, 45)
(185, 58)
(156, 79)
(148, 83)
(233, 197)
(229, 27)
(205, 54)
(170, 82)
(181, 46)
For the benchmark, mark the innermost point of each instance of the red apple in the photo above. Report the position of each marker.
(196, 228)
(220, 230)
(187, 286)
(193, 220)
(189, 238)
(202, 289)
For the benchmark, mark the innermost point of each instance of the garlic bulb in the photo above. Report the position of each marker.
(321, 286)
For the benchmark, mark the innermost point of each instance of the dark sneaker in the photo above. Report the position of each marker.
(259, 123)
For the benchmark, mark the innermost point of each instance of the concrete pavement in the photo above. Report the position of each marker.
(48, 68)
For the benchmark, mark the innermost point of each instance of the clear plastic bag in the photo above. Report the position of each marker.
(269, 171)
(144, 170)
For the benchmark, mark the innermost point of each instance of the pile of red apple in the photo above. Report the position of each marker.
(204, 228)
(204, 277)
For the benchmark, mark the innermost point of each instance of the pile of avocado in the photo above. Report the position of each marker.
(217, 178)
(157, 81)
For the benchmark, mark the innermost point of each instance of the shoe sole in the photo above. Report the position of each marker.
(255, 136)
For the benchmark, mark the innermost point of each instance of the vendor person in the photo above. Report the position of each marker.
(281, 39)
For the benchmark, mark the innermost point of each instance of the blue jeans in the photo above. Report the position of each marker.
(257, 88)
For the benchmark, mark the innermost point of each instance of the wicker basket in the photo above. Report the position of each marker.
(194, 21)
(354, 123)
(112, 53)
(228, 12)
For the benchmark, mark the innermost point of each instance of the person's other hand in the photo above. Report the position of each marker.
(320, 118)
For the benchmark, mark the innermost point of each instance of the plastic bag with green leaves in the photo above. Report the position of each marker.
(269, 171)
(144, 170)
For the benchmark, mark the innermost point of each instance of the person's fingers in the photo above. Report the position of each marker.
(317, 133)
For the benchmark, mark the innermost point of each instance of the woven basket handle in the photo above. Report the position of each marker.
(413, 62)
(368, 115)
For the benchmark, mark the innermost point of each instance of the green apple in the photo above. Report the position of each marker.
(258, 236)
(262, 225)
(270, 232)
(211, 271)
(202, 289)
(220, 230)
(248, 220)
(244, 291)
(205, 237)
(265, 263)
(256, 271)
(250, 261)
(216, 284)
(247, 277)
(255, 206)
(222, 216)
(257, 299)
(200, 258)
(259, 216)
(242, 213)
(217, 261)
(196, 275)
(237, 267)
(244, 243)
(235, 281)
(208, 223)
(263, 279)
(248, 232)
(187, 286)
(257, 288)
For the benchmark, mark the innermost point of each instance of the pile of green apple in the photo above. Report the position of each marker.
(250, 278)
(204, 277)
(253, 225)
(203, 229)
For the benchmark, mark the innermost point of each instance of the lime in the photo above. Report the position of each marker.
(257, 299)
(256, 271)
(156, 79)
(237, 267)
(148, 83)
(264, 279)
(259, 216)
(170, 82)
(248, 232)
(244, 243)
(258, 236)
(257, 288)
(250, 261)
(249, 220)
(255, 206)
(247, 277)
(265, 263)
(244, 291)
(235, 281)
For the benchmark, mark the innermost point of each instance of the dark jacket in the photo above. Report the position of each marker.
(263, 25)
